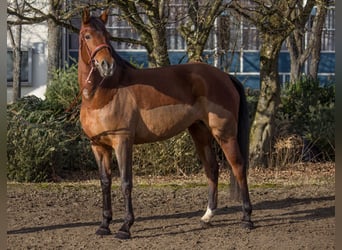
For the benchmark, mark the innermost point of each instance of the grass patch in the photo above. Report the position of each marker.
(265, 185)
(292, 176)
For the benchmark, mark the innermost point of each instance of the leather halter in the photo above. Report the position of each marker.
(97, 49)
(92, 55)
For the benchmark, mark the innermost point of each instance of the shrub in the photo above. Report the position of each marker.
(43, 141)
(63, 89)
(307, 109)
(173, 156)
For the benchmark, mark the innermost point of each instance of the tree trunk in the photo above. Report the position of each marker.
(195, 51)
(17, 58)
(295, 45)
(54, 48)
(296, 70)
(153, 34)
(159, 55)
(54, 39)
(17, 55)
(316, 38)
(263, 125)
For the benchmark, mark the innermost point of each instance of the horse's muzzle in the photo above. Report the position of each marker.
(105, 68)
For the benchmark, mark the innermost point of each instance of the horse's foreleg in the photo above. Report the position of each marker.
(103, 158)
(202, 139)
(123, 152)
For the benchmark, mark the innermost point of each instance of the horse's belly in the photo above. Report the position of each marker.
(164, 122)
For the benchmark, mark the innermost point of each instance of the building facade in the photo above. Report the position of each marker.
(233, 46)
(234, 49)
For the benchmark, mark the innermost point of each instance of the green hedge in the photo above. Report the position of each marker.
(43, 141)
(307, 109)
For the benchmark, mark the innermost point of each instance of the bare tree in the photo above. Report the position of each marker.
(200, 17)
(200, 21)
(300, 49)
(275, 20)
(149, 18)
(15, 37)
(153, 32)
(56, 16)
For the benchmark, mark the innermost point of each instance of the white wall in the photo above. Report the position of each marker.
(34, 36)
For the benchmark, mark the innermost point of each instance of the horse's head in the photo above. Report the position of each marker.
(94, 43)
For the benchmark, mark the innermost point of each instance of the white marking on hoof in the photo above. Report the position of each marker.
(208, 215)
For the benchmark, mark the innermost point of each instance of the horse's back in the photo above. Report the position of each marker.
(170, 99)
(184, 83)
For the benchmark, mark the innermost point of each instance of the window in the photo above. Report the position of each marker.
(328, 32)
(26, 67)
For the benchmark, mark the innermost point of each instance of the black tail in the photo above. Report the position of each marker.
(243, 136)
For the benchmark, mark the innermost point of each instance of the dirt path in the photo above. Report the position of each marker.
(66, 216)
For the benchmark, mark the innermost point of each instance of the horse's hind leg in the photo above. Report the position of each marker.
(103, 157)
(202, 139)
(232, 152)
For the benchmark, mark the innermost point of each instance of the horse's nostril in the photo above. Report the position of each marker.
(104, 65)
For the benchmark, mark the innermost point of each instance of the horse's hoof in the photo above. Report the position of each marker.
(103, 231)
(122, 235)
(249, 225)
(206, 224)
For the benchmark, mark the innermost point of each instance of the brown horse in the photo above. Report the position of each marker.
(123, 105)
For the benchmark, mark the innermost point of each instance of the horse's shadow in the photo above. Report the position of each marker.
(296, 216)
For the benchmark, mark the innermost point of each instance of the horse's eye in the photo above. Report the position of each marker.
(87, 36)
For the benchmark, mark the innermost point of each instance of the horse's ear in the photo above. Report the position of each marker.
(104, 16)
(85, 15)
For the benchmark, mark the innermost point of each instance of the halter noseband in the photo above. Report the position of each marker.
(92, 54)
